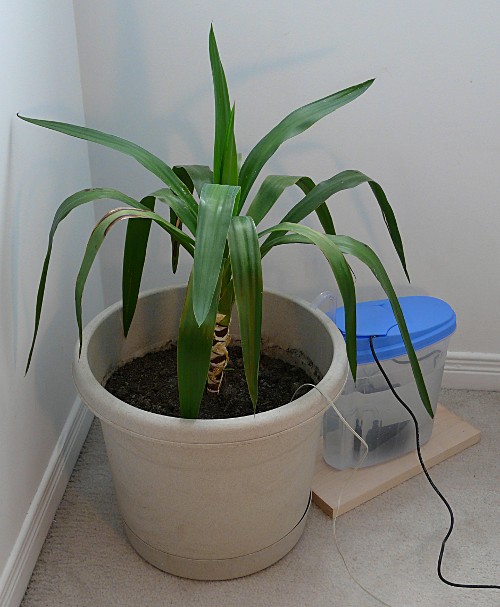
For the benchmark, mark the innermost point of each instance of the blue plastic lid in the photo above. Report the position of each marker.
(429, 320)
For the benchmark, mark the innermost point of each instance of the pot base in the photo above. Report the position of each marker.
(219, 569)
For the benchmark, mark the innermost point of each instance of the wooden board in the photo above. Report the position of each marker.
(450, 435)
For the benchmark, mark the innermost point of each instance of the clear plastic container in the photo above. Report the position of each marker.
(372, 410)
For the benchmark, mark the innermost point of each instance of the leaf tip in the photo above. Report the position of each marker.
(253, 398)
(30, 356)
(200, 312)
(126, 327)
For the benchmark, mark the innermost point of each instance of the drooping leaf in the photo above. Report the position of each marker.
(215, 211)
(273, 187)
(149, 161)
(222, 106)
(294, 124)
(323, 212)
(367, 256)
(97, 237)
(185, 214)
(246, 267)
(344, 181)
(194, 346)
(325, 218)
(194, 176)
(342, 275)
(134, 256)
(269, 192)
(69, 204)
(175, 220)
(283, 239)
(175, 246)
(390, 222)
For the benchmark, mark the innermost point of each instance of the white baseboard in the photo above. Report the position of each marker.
(16, 575)
(472, 371)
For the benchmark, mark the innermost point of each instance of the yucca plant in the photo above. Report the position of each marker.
(209, 216)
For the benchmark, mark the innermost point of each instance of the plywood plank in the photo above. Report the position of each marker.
(450, 435)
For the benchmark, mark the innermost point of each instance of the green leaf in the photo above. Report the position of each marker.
(270, 190)
(97, 237)
(188, 217)
(390, 222)
(325, 219)
(273, 187)
(69, 204)
(230, 157)
(366, 255)
(149, 161)
(285, 239)
(175, 221)
(226, 298)
(323, 212)
(247, 279)
(179, 213)
(342, 275)
(215, 211)
(194, 346)
(239, 161)
(134, 256)
(344, 181)
(222, 106)
(294, 124)
(195, 176)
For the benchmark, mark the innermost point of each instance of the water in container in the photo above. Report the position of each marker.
(368, 405)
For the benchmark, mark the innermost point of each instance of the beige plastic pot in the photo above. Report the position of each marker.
(211, 499)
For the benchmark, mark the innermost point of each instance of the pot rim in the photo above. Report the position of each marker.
(156, 427)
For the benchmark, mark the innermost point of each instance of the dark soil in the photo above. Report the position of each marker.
(150, 383)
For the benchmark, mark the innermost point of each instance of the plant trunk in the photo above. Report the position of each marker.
(219, 356)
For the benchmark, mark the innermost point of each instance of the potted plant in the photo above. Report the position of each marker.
(219, 498)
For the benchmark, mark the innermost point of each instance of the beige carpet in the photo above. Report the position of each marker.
(390, 543)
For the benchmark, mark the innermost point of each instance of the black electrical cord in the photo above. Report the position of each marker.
(431, 482)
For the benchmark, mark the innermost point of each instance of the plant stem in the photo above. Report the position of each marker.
(219, 356)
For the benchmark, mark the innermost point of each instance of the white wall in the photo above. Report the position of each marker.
(427, 130)
(42, 425)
